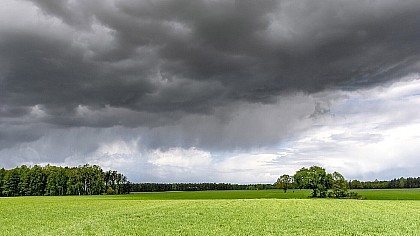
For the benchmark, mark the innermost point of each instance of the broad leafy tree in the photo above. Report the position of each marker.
(284, 182)
(315, 178)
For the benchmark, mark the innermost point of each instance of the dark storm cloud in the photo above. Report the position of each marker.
(179, 57)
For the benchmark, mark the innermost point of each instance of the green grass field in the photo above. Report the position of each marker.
(212, 213)
(384, 194)
(390, 194)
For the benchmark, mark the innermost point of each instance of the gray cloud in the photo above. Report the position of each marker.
(366, 134)
(194, 55)
(218, 75)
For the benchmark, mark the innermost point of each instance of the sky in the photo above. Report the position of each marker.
(212, 90)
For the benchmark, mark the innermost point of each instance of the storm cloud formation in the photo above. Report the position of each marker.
(217, 75)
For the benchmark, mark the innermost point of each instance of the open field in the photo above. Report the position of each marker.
(377, 194)
(390, 194)
(228, 194)
(207, 213)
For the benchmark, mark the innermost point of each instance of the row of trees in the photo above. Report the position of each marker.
(160, 187)
(54, 180)
(395, 183)
(318, 180)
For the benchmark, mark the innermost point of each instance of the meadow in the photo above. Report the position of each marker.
(386, 212)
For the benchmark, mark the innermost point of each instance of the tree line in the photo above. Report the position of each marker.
(384, 184)
(59, 181)
(161, 187)
(323, 184)
(92, 180)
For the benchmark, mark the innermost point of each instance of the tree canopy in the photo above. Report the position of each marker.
(284, 182)
(316, 179)
(53, 180)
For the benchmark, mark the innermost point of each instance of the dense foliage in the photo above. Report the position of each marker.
(284, 182)
(53, 180)
(316, 179)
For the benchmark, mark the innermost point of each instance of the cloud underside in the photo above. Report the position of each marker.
(192, 56)
(171, 85)
(365, 134)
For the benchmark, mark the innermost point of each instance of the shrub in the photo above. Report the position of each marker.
(110, 191)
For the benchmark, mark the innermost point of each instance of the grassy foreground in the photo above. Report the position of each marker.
(195, 214)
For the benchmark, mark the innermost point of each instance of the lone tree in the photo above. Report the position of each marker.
(284, 182)
(315, 178)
